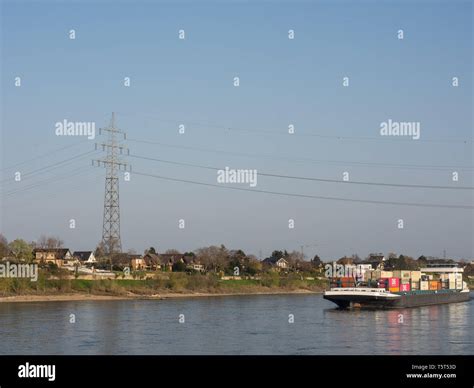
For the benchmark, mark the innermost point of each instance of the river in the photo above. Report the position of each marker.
(257, 324)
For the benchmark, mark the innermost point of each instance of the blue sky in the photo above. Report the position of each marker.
(282, 81)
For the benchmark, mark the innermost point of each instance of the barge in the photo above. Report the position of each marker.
(385, 296)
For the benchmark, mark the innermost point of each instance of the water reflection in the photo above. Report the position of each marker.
(234, 325)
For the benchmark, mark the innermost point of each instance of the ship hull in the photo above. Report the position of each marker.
(416, 299)
(396, 300)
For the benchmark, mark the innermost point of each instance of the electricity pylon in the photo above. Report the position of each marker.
(113, 164)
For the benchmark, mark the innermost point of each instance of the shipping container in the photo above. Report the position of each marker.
(378, 274)
(394, 289)
(424, 285)
(452, 284)
(415, 276)
(405, 287)
(394, 282)
(342, 282)
(403, 275)
(435, 285)
(415, 285)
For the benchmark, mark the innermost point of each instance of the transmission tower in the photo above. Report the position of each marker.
(113, 164)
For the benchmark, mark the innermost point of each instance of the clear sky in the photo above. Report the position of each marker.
(282, 81)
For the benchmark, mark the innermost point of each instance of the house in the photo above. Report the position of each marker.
(59, 256)
(276, 262)
(152, 262)
(168, 259)
(193, 263)
(85, 257)
(123, 260)
(138, 263)
(377, 260)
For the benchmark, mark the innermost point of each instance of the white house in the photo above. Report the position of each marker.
(275, 262)
(85, 257)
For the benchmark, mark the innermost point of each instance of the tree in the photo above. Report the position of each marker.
(151, 250)
(316, 261)
(4, 250)
(304, 266)
(213, 258)
(100, 250)
(49, 242)
(295, 259)
(172, 252)
(236, 259)
(469, 270)
(278, 254)
(179, 266)
(401, 263)
(104, 249)
(422, 261)
(345, 260)
(253, 266)
(112, 246)
(21, 250)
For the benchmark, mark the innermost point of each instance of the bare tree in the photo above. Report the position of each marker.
(49, 242)
(100, 250)
(214, 258)
(294, 257)
(172, 252)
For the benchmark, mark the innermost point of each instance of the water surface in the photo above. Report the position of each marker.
(232, 325)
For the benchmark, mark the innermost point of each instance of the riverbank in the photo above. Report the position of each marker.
(174, 285)
(160, 296)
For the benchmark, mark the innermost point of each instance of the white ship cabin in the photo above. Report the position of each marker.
(442, 268)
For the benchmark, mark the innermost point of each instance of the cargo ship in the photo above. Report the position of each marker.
(399, 289)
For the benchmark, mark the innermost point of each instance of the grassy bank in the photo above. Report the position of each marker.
(174, 283)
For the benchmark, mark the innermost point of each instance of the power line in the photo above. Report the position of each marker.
(304, 134)
(52, 166)
(309, 196)
(43, 155)
(351, 138)
(72, 187)
(70, 174)
(310, 178)
(299, 160)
